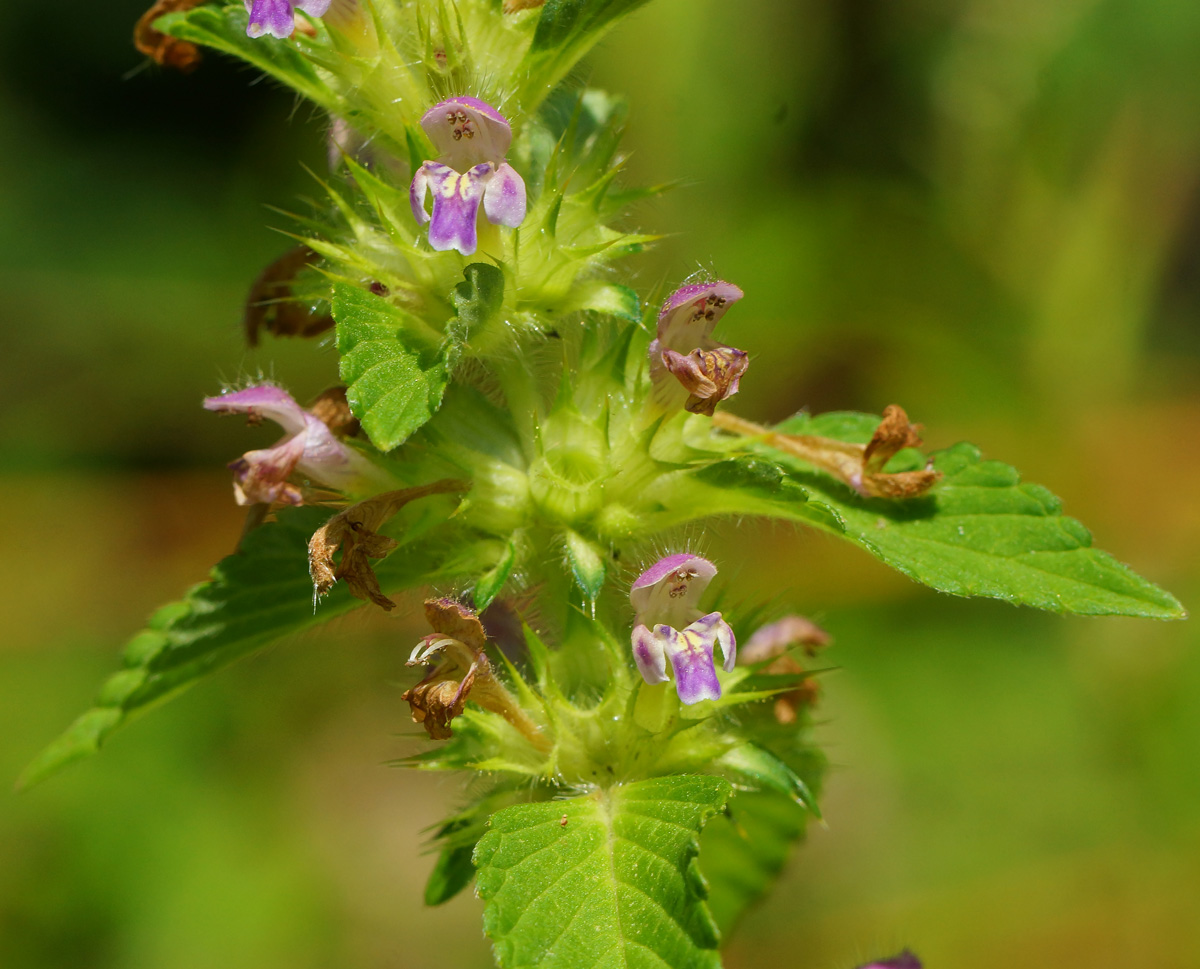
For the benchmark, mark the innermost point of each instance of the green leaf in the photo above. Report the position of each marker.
(251, 599)
(607, 879)
(224, 29)
(980, 532)
(454, 869)
(569, 22)
(743, 851)
(393, 386)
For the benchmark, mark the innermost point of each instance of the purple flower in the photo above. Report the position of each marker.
(308, 447)
(471, 138)
(668, 625)
(905, 960)
(278, 17)
(684, 355)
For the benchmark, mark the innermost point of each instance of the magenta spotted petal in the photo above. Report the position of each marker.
(308, 448)
(650, 654)
(466, 131)
(687, 367)
(278, 17)
(670, 626)
(471, 138)
(687, 318)
(456, 199)
(504, 197)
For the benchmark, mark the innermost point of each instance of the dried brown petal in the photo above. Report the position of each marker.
(892, 436)
(513, 6)
(333, 410)
(451, 618)
(858, 465)
(435, 701)
(271, 304)
(708, 375)
(355, 532)
(462, 671)
(901, 484)
(163, 49)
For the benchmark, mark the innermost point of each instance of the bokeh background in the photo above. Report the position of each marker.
(985, 210)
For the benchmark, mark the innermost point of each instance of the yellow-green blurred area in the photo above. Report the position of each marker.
(984, 210)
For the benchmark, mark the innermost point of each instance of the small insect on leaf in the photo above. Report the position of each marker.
(563, 822)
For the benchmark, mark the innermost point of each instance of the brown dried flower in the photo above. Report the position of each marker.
(163, 49)
(514, 6)
(462, 671)
(858, 465)
(271, 304)
(356, 532)
(708, 375)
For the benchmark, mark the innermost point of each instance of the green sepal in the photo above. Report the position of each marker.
(611, 299)
(492, 581)
(587, 563)
(568, 23)
(764, 771)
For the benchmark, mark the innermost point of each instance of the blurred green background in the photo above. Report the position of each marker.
(985, 210)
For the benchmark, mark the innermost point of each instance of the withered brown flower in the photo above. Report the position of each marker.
(858, 465)
(461, 671)
(163, 49)
(708, 375)
(271, 304)
(356, 532)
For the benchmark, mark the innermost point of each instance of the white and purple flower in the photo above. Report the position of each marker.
(308, 447)
(472, 139)
(668, 625)
(685, 360)
(278, 17)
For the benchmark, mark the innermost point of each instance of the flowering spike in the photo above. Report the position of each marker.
(684, 354)
(670, 626)
(309, 448)
(471, 138)
(278, 17)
